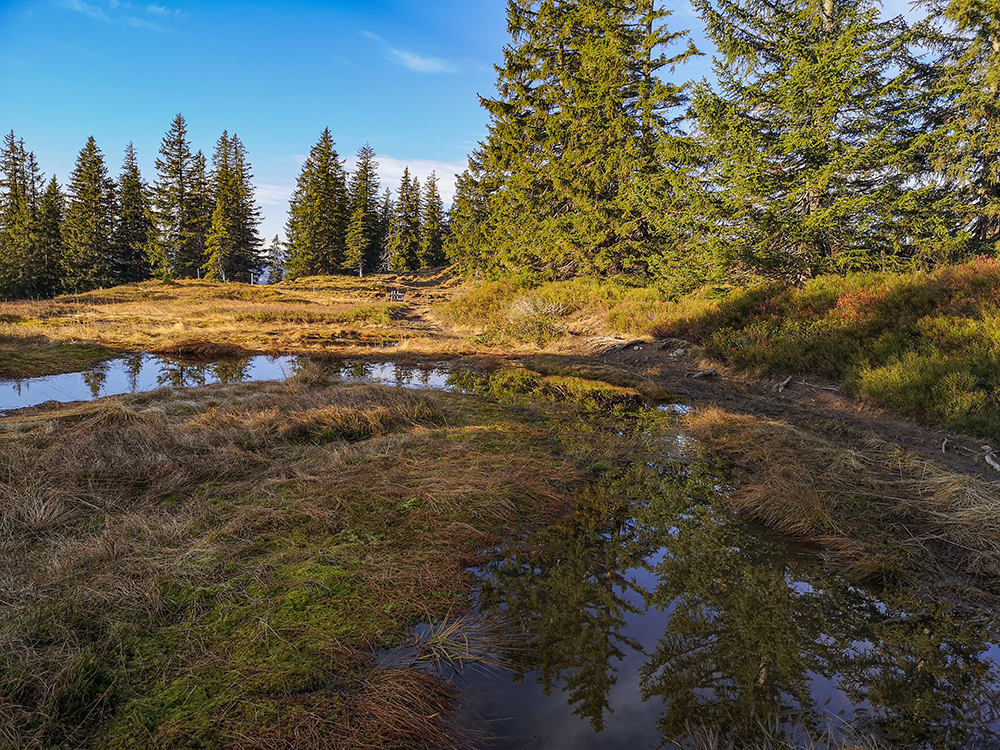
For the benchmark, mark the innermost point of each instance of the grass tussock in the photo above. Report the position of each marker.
(887, 514)
(214, 572)
(506, 313)
(923, 344)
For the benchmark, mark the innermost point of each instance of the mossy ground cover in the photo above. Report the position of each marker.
(922, 344)
(34, 356)
(213, 568)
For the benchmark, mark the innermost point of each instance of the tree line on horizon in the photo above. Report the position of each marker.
(831, 141)
(201, 221)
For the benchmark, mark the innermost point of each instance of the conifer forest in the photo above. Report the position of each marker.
(830, 140)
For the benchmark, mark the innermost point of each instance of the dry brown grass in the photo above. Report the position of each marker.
(209, 319)
(397, 709)
(241, 549)
(887, 513)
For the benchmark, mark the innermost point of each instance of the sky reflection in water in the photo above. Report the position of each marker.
(650, 614)
(137, 373)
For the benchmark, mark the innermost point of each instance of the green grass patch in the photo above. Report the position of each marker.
(35, 356)
(926, 344)
(380, 314)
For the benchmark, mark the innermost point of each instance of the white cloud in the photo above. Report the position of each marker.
(418, 63)
(390, 172)
(88, 10)
(158, 10)
(411, 60)
(141, 23)
(273, 195)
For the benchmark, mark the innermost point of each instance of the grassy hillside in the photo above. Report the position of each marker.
(923, 344)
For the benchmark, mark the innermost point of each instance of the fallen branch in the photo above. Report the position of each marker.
(784, 384)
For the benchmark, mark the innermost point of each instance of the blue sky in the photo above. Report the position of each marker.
(401, 75)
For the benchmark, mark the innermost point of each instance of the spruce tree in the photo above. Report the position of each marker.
(360, 233)
(432, 225)
(180, 210)
(316, 231)
(363, 241)
(963, 137)
(577, 137)
(276, 261)
(466, 244)
(202, 202)
(383, 223)
(233, 243)
(88, 231)
(20, 193)
(47, 258)
(805, 132)
(134, 230)
(403, 242)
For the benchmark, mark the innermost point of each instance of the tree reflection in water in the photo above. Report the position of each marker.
(182, 374)
(759, 640)
(95, 377)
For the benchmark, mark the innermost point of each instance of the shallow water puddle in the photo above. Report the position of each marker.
(137, 373)
(650, 619)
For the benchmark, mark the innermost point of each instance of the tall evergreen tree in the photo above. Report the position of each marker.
(20, 192)
(963, 137)
(134, 230)
(180, 210)
(432, 225)
(363, 241)
(318, 216)
(578, 133)
(805, 131)
(88, 231)
(386, 210)
(466, 244)
(47, 258)
(202, 201)
(403, 243)
(233, 243)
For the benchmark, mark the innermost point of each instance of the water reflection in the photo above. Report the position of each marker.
(136, 373)
(651, 604)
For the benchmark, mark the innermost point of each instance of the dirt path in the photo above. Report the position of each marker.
(810, 403)
(813, 404)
